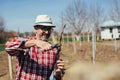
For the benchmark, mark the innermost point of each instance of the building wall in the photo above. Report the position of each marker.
(115, 33)
(106, 33)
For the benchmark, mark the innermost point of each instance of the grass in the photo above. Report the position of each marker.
(2, 47)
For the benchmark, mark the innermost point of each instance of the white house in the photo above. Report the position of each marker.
(110, 30)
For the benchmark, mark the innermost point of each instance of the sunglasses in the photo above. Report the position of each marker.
(45, 28)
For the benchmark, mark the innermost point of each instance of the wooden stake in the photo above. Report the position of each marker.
(10, 67)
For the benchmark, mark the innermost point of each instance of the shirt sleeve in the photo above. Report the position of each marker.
(12, 46)
(52, 76)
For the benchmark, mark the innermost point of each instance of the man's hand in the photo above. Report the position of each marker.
(58, 73)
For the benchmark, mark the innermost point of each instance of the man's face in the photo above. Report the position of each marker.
(43, 32)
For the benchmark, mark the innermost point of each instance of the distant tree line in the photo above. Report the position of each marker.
(9, 35)
(2, 30)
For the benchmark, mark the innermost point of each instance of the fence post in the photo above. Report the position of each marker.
(10, 67)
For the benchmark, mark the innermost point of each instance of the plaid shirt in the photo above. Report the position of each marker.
(33, 64)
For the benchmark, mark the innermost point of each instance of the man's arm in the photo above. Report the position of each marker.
(13, 47)
(29, 43)
(39, 43)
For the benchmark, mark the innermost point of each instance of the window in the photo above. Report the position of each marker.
(111, 30)
(102, 29)
(119, 30)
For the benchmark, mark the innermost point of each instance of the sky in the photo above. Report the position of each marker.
(21, 14)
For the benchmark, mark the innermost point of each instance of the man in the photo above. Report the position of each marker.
(36, 57)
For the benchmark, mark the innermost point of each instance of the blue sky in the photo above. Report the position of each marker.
(22, 13)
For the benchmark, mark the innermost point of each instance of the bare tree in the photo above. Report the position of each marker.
(96, 17)
(115, 16)
(81, 18)
(115, 10)
(75, 16)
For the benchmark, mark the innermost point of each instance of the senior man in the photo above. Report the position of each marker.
(36, 57)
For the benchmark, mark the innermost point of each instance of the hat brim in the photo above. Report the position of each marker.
(44, 24)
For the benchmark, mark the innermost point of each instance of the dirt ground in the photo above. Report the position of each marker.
(105, 53)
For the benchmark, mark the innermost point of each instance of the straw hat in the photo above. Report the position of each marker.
(43, 20)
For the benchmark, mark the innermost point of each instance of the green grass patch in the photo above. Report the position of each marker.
(2, 47)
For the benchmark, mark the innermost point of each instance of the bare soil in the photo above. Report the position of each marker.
(105, 53)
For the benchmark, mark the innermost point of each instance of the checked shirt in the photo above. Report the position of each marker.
(33, 64)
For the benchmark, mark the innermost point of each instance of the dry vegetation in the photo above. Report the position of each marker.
(105, 53)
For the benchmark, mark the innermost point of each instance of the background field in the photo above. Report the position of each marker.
(105, 53)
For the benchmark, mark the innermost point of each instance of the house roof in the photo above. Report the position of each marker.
(110, 23)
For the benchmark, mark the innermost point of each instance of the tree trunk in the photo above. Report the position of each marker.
(77, 37)
(74, 43)
(88, 37)
(98, 37)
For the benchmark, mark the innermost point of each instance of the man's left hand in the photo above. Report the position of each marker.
(59, 69)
